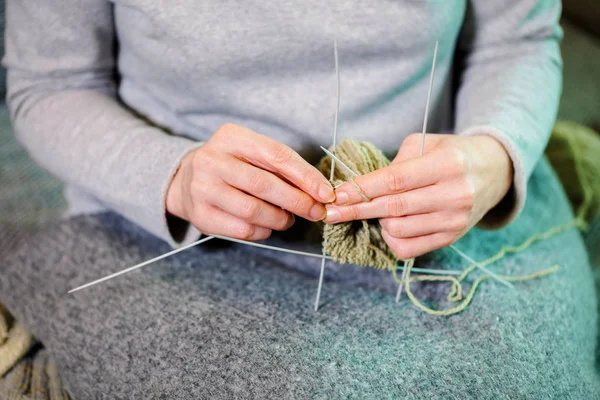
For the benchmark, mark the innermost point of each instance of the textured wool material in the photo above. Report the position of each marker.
(356, 242)
(110, 95)
(34, 377)
(15, 341)
(230, 321)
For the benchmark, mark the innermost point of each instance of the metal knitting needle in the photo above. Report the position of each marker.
(326, 257)
(206, 239)
(425, 117)
(337, 104)
(334, 158)
(302, 253)
(264, 246)
(335, 128)
(406, 262)
(435, 50)
(481, 267)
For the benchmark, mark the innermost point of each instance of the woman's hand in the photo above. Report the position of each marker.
(243, 185)
(427, 202)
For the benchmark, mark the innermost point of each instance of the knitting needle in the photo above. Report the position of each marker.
(406, 262)
(429, 271)
(335, 128)
(264, 246)
(435, 50)
(425, 117)
(325, 257)
(481, 267)
(206, 239)
(337, 105)
(334, 158)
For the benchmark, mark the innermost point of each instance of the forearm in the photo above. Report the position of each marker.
(89, 140)
(64, 108)
(510, 89)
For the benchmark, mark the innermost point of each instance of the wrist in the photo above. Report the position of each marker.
(174, 198)
(497, 163)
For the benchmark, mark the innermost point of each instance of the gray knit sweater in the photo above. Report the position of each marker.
(109, 95)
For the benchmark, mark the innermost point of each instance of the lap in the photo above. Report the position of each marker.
(233, 321)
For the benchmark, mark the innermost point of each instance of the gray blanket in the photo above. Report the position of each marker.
(223, 321)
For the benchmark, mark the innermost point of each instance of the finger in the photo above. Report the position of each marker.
(408, 248)
(424, 224)
(411, 146)
(425, 200)
(395, 178)
(402, 177)
(211, 220)
(269, 187)
(276, 157)
(249, 208)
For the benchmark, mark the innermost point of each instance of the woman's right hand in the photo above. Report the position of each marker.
(243, 185)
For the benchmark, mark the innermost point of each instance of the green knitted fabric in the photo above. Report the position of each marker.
(357, 242)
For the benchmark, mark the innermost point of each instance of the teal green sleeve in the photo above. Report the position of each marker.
(510, 85)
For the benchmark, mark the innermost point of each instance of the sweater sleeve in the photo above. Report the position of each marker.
(62, 97)
(510, 85)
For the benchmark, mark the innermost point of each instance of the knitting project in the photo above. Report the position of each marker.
(361, 242)
(357, 242)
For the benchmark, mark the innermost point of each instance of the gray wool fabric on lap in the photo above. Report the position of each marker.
(229, 321)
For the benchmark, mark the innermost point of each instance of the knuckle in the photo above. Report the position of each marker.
(462, 222)
(301, 205)
(196, 189)
(459, 163)
(205, 160)
(353, 213)
(395, 228)
(226, 129)
(467, 194)
(202, 159)
(283, 222)
(264, 234)
(455, 223)
(250, 210)
(257, 184)
(311, 178)
(412, 140)
(395, 206)
(244, 231)
(282, 155)
(394, 181)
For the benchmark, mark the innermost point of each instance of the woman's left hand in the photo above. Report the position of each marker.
(428, 202)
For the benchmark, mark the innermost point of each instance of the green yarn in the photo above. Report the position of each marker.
(357, 242)
(574, 152)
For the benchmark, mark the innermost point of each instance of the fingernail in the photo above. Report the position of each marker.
(333, 215)
(292, 221)
(341, 198)
(317, 212)
(326, 193)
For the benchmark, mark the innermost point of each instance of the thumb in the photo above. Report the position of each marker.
(411, 146)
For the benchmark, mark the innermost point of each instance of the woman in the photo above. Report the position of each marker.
(190, 117)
